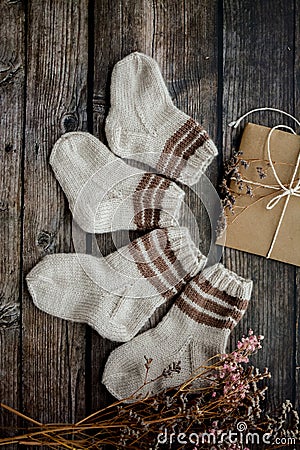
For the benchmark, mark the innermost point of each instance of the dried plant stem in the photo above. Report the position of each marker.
(23, 416)
(188, 408)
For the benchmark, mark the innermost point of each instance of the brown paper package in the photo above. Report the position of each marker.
(252, 227)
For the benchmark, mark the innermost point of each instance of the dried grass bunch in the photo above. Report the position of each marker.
(224, 393)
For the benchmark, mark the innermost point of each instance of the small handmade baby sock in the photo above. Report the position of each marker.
(117, 294)
(144, 124)
(106, 194)
(195, 329)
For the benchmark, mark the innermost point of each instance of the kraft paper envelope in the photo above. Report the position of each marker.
(253, 226)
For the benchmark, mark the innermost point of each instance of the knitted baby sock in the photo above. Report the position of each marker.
(195, 329)
(144, 124)
(117, 294)
(105, 194)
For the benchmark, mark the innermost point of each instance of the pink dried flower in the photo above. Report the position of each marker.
(250, 343)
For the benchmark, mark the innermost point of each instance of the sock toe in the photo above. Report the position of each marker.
(44, 289)
(122, 374)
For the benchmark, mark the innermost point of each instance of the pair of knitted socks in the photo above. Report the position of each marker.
(106, 194)
(117, 294)
(195, 329)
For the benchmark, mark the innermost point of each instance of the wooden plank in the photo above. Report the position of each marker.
(296, 49)
(128, 29)
(258, 71)
(53, 350)
(296, 384)
(11, 132)
(182, 36)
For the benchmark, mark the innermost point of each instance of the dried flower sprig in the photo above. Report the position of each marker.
(230, 169)
(222, 395)
(234, 172)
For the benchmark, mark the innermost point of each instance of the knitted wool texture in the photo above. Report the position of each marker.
(195, 329)
(117, 294)
(106, 194)
(144, 124)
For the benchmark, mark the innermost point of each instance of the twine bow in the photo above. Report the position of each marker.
(287, 192)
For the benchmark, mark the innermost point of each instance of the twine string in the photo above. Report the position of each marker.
(287, 192)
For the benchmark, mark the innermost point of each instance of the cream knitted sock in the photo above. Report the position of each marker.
(105, 194)
(144, 124)
(117, 294)
(195, 329)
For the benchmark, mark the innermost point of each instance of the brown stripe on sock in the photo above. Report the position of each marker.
(183, 282)
(156, 217)
(185, 142)
(154, 253)
(146, 178)
(178, 135)
(178, 288)
(207, 287)
(143, 217)
(192, 149)
(171, 142)
(174, 261)
(159, 196)
(180, 149)
(201, 317)
(152, 185)
(139, 219)
(148, 242)
(149, 274)
(188, 153)
(181, 153)
(147, 218)
(187, 146)
(146, 271)
(162, 185)
(163, 267)
(210, 305)
(167, 274)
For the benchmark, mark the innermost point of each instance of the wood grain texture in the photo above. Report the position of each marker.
(129, 29)
(11, 150)
(296, 349)
(53, 351)
(219, 58)
(296, 50)
(258, 71)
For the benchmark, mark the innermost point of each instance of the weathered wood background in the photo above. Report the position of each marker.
(219, 59)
